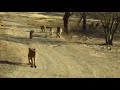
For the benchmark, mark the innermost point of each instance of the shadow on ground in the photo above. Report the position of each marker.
(12, 63)
(26, 41)
(52, 14)
(41, 39)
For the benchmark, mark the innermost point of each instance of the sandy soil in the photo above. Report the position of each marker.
(57, 58)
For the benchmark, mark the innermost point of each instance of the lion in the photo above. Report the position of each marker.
(31, 34)
(32, 57)
(97, 24)
(59, 32)
(43, 28)
(51, 30)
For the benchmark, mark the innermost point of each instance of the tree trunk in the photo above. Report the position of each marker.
(106, 39)
(110, 42)
(84, 22)
(66, 25)
(65, 19)
(109, 39)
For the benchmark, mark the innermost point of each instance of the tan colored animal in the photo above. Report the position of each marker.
(51, 30)
(32, 57)
(91, 25)
(59, 32)
(43, 28)
(31, 34)
(97, 24)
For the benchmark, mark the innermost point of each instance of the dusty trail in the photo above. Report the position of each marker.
(58, 58)
(53, 58)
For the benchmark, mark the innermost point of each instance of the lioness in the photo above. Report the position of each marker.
(32, 57)
(43, 28)
(51, 30)
(97, 24)
(59, 32)
(31, 34)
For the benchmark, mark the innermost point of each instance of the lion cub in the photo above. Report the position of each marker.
(59, 32)
(32, 57)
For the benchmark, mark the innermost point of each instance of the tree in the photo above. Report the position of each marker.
(83, 16)
(84, 21)
(110, 22)
(66, 19)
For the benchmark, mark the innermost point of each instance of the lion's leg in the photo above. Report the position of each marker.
(44, 29)
(59, 35)
(34, 63)
(31, 62)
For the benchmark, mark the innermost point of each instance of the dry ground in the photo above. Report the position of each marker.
(57, 58)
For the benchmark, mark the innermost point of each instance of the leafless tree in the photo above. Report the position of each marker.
(66, 19)
(83, 16)
(110, 22)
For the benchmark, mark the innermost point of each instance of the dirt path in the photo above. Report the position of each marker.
(58, 58)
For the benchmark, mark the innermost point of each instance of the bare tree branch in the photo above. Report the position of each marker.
(110, 22)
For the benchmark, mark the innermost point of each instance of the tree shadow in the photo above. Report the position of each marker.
(20, 26)
(41, 39)
(4, 28)
(52, 13)
(50, 41)
(100, 44)
(8, 62)
(12, 63)
(37, 39)
(11, 38)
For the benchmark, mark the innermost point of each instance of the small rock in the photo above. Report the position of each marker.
(109, 48)
(75, 36)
